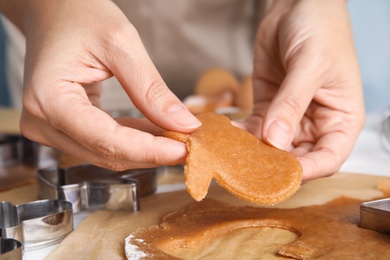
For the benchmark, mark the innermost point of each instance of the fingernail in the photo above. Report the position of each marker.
(279, 134)
(183, 117)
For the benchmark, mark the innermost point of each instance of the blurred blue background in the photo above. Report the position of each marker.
(371, 28)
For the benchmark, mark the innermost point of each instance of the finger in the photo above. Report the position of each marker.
(301, 149)
(288, 106)
(68, 145)
(141, 124)
(130, 63)
(102, 141)
(325, 157)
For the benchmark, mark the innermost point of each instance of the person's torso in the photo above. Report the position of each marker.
(184, 38)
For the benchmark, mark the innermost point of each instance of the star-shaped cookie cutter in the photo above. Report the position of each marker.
(375, 215)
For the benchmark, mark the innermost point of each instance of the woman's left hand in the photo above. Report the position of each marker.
(307, 87)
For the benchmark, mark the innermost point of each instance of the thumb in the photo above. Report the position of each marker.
(287, 108)
(145, 87)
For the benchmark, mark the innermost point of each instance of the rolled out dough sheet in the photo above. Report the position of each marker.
(102, 234)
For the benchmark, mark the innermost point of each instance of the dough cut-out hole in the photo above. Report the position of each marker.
(329, 231)
(243, 243)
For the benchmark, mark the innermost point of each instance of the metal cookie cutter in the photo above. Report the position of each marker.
(17, 150)
(9, 150)
(375, 215)
(91, 187)
(10, 249)
(33, 225)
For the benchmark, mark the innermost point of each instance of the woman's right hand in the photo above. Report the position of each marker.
(72, 46)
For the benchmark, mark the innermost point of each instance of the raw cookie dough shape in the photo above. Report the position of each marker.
(326, 231)
(215, 81)
(239, 162)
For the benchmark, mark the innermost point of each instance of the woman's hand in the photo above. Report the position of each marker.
(72, 46)
(307, 87)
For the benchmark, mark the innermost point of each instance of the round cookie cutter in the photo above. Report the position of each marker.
(33, 225)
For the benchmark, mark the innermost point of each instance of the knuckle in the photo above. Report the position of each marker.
(292, 106)
(30, 105)
(109, 154)
(156, 91)
(146, 151)
(37, 104)
(110, 150)
(119, 37)
(114, 165)
(29, 127)
(28, 130)
(151, 156)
